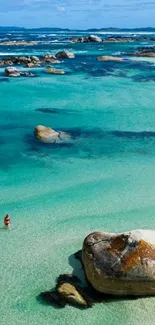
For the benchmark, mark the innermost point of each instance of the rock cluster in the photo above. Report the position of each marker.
(35, 61)
(129, 39)
(144, 52)
(114, 264)
(111, 39)
(87, 39)
(29, 61)
(13, 72)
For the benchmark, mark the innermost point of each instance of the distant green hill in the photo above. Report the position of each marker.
(56, 29)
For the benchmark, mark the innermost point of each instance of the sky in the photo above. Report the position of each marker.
(77, 14)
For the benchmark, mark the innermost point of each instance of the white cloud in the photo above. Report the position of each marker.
(61, 8)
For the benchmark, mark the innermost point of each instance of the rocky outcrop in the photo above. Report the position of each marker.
(50, 70)
(148, 52)
(12, 72)
(29, 61)
(111, 39)
(48, 135)
(110, 58)
(94, 38)
(65, 55)
(13, 43)
(87, 39)
(121, 264)
(127, 39)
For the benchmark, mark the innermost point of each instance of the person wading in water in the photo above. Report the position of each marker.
(7, 221)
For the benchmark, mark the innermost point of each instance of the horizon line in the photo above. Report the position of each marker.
(77, 29)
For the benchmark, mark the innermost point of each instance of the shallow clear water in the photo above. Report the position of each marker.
(56, 195)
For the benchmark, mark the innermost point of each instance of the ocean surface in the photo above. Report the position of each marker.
(58, 194)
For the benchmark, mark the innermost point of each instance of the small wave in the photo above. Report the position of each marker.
(12, 53)
(124, 33)
(81, 51)
(117, 53)
(54, 41)
(41, 36)
(51, 42)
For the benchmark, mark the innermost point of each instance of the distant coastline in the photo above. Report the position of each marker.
(110, 29)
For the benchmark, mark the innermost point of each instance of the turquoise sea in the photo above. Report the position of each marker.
(58, 194)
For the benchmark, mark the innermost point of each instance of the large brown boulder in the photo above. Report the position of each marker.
(48, 135)
(121, 264)
(110, 58)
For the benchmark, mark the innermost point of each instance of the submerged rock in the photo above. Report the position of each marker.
(49, 135)
(110, 58)
(53, 61)
(71, 294)
(121, 264)
(68, 292)
(8, 43)
(33, 65)
(54, 71)
(65, 55)
(27, 74)
(119, 39)
(148, 52)
(128, 39)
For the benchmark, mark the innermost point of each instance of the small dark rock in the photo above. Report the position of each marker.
(52, 297)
